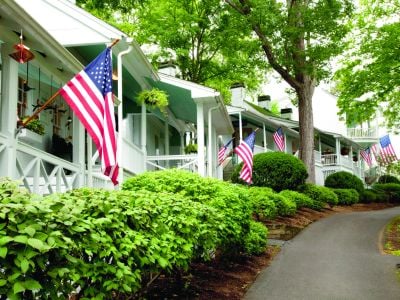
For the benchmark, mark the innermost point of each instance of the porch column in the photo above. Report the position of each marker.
(265, 138)
(200, 138)
(240, 127)
(78, 156)
(337, 151)
(166, 142)
(285, 140)
(182, 135)
(143, 135)
(8, 125)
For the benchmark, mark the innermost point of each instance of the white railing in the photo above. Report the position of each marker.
(260, 149)
(329, 159)
(332, 164)
(44, 173)
(133, 158)
(162, 162)
(362, 132)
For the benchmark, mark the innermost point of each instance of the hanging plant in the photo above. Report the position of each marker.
(34, 125)
(154, 98)
(190, 148)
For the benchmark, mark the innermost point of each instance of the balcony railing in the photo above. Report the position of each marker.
(359, 133)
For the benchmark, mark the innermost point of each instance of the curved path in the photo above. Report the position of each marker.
(335, 258)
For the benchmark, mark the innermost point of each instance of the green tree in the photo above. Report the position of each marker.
(207, 43)
(298, 38)
(369, 79)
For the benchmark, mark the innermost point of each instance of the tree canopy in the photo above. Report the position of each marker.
(369, 79)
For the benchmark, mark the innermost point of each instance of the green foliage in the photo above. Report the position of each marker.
(154, 98)
(344, 180)
(256, 241)
(347, 196)
(388, 179)
(368, 77)
(229, 200)
(370, 196)
(34, 125)
(320, 193)
(301, 200)
(263, 206)
(277, 170)
(190, 148)
(390, 190)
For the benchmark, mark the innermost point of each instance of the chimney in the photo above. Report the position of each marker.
(238, 91)
(264, 101)
(168, 68)
(286, 113)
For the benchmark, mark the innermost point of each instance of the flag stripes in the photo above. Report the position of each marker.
(245, 152)
(279, 139)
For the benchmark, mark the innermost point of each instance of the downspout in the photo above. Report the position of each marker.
(120, 96)
(210, 110)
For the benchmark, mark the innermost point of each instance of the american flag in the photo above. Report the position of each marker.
(245, 152)
(279, 139)
(222, 151)
(366, 155)
(375, 151)
(89, 94)
(387, 151)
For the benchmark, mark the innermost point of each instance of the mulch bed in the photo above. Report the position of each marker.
(229, 279)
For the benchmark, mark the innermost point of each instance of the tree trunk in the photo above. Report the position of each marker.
(306, 123)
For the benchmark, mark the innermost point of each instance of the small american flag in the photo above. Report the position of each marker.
(89, 94)
(245, 152)
(222, 151)
(366, 155)
(279, 139)
(388, 154)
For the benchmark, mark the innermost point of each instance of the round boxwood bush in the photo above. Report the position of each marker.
(347, 196)
(320, 193)
(388, 179)
(277, 170)
(344, 180)
(262, 205)
(368, 196)
(301, 200)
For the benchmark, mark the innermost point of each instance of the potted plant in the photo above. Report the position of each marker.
(344, 150)
(154, 98)
(190, 148)
(32, 132)
(34, 125)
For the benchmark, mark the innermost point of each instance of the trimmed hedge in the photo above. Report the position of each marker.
(277, 170)
(262, 205)
(347, 196)
(388, 179)
(344, 180)
(319, 193)
(301, 200)
(390, 190)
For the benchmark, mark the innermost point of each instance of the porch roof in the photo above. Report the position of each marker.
(182, 99)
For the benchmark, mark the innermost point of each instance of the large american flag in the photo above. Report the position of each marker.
(279, 139)
(366, 155)
(222, 151)
(89, 94)
(387, 151)
(245, 152)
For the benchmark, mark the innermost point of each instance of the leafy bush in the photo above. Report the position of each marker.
(388, 179)
(231, 201)
(277, 170)
(319, 193)
(390, 190)
(301, 200)
(347, 196)
(368, 196)
(256, 241)
(344, 180)
(263, 206)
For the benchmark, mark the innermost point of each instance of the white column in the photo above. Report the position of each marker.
(143, 134)
(78, 149)
(182, 135)
(240, 127)
(200, 138)
(9, 96)
(265, 138)
(166, 142)
(338, 151)
(210, 143)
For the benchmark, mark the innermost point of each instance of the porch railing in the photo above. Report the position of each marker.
(331, 163)
(362, 132)
(133, 158)
(162, 162)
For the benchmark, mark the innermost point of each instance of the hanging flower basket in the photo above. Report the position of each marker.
(190, 148)
(154, 98)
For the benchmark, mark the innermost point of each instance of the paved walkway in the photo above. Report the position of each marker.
(334, 258)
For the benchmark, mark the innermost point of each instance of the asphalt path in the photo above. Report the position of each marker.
(335, 258)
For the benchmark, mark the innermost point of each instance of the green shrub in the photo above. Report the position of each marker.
(301, 200)
(368, 196)
(390, 190)
(277, 170)
(262, 205)
(319, 193)
(347, 196)
(344, 180)
(286, 207)
(388, 179)
(231, 201)
(255, 241)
